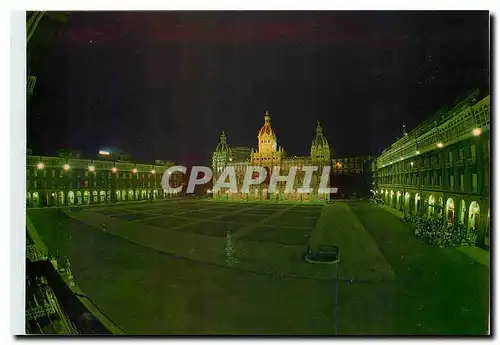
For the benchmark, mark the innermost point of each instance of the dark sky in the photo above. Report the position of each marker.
(162, 85)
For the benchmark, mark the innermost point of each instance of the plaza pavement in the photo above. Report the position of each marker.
(184, 286)
(360, 258)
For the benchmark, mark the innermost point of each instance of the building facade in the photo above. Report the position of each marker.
(269, 155)
(71, 180)
(442, 167)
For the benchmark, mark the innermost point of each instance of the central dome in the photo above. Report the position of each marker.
(266, 128)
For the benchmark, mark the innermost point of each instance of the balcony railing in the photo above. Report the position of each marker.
(471, 161)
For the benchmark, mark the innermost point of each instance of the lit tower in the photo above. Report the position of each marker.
(320, 150)
(222, 154)
(269, 153)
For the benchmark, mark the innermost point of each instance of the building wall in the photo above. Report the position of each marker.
(444, 170)
(57, 181)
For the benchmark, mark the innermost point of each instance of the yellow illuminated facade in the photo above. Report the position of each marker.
(269, 155)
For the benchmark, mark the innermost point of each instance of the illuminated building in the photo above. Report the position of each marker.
(442, 167)
(71, 180)
(269, 155)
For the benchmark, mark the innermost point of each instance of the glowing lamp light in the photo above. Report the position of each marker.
(411, 163)
(440, 145)
(40, 166)
(153, 171)
(134, 171)
(417, 152)
(91, 168)
(113, 169)
(476, 131)
(66, 167)
(401, 159)
(104, 153)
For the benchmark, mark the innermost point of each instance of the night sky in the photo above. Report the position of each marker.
(162, 85)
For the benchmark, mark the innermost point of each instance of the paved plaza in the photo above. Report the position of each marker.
(188, 266)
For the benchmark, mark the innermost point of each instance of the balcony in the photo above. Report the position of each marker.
(447, 165)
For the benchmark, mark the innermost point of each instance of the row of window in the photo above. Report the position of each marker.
(434, 179)
(86, 184)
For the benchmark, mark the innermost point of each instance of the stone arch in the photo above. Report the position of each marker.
(60, 198)
(462, 212)
(53, 199)
(71, 197)
(79, 199)
(474, 212)
(102, 197)
(418, 203)
(143, 195)
(440, 207)
(131, 194)
(94, 197)
(124, 195)
(28, 199)
(407, 202)
(155, 194)
(108, 196)
(137, 195)
(450, 211)
(35, 199)
(149, 194)
(398, 199)
(118, 195)
(431, 205)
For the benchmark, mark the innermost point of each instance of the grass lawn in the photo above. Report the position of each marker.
(132, 216)
(167, 221)
(280, 235)
(295, 219)
(213, 228)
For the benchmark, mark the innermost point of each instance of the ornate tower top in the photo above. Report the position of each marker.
(319, 130)
(266, 128)
(222, 146)
(320, 150)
